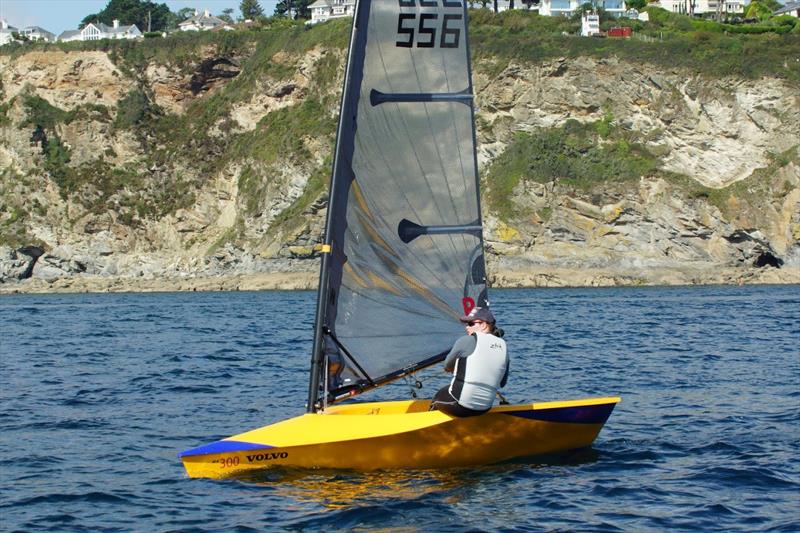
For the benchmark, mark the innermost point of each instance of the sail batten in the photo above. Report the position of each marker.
(377, 97)
(404, 219)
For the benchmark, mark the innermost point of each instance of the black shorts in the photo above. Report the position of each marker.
(444, 402)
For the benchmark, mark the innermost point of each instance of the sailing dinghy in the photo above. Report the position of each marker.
(402, 260)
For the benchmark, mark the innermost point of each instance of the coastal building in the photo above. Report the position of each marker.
(590, 24)
(323, 10)
(203, 22)
(94, 31)
(701, 7)
(6, 32)
(35, 33)
(791, 8)
(567, 8)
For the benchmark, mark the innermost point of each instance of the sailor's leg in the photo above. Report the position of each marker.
(442, 397)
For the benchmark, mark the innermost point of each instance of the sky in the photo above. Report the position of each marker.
(56, 16)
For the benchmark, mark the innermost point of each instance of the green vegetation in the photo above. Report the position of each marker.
(317, 182)
(673, 41)
(4, 107)
(56, 160)
(40, 113)
(13, 214)
(191, 148)
(132, 109)
(251, 9)
(581, 155)
(191, 138)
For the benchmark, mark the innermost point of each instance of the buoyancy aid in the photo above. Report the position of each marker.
(477, 377)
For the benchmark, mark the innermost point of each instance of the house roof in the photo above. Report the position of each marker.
(68, 33)
(111, 29)
(329, 3)
(203, 19)
(37, 29)
(788, 8)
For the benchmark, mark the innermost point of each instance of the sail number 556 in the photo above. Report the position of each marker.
(424, 30)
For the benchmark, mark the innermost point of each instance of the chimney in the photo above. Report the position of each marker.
(205, 13)
(116, 23)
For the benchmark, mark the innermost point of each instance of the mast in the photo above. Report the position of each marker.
(338, 184)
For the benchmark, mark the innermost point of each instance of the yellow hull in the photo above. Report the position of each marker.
(404, 434)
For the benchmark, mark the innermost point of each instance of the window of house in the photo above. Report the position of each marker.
(559, 4)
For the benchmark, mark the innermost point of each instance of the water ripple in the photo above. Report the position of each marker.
(102, 391)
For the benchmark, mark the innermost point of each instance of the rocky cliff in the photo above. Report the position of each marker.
(209, 169)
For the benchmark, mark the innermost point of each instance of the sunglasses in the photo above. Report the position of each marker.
(474, 323)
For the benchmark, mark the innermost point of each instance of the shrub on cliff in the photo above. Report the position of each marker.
(132, 109)
(583, 155)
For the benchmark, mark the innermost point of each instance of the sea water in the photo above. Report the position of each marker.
(98, 394)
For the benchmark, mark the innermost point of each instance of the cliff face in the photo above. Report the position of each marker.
(731, 202)
(167, 172)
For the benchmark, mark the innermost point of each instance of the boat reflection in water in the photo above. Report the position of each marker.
(342, 489)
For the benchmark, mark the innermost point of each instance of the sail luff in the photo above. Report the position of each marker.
(471, 90)
(344, 148)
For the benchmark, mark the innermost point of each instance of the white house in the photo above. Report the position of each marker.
(94, 31)
(323, 10)
(590, 24)
(791, 8)
(701, 6)
(6, 32)
(202, 22)
(566, 8)
(35, 33)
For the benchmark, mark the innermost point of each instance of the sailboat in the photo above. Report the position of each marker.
(402, 260)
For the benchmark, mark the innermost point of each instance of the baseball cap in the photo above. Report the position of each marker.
(479, 313)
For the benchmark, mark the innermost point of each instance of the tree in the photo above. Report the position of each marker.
(226, 15)
(145, 14)
(251, 9)
(638, 5)
(184, 13)
(757, 10)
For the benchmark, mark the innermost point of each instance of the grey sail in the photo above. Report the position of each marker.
(404, 225)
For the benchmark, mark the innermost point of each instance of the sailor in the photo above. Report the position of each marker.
(479, 364)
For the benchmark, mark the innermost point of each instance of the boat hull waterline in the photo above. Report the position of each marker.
(404, 434)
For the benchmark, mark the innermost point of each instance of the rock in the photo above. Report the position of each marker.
(14, 266)
(712, 131)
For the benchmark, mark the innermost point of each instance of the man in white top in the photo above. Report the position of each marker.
(479, 364)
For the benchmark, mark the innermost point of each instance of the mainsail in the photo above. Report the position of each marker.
(403, 247)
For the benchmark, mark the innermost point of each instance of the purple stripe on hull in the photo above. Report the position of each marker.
(585, 414)
(223, 446)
